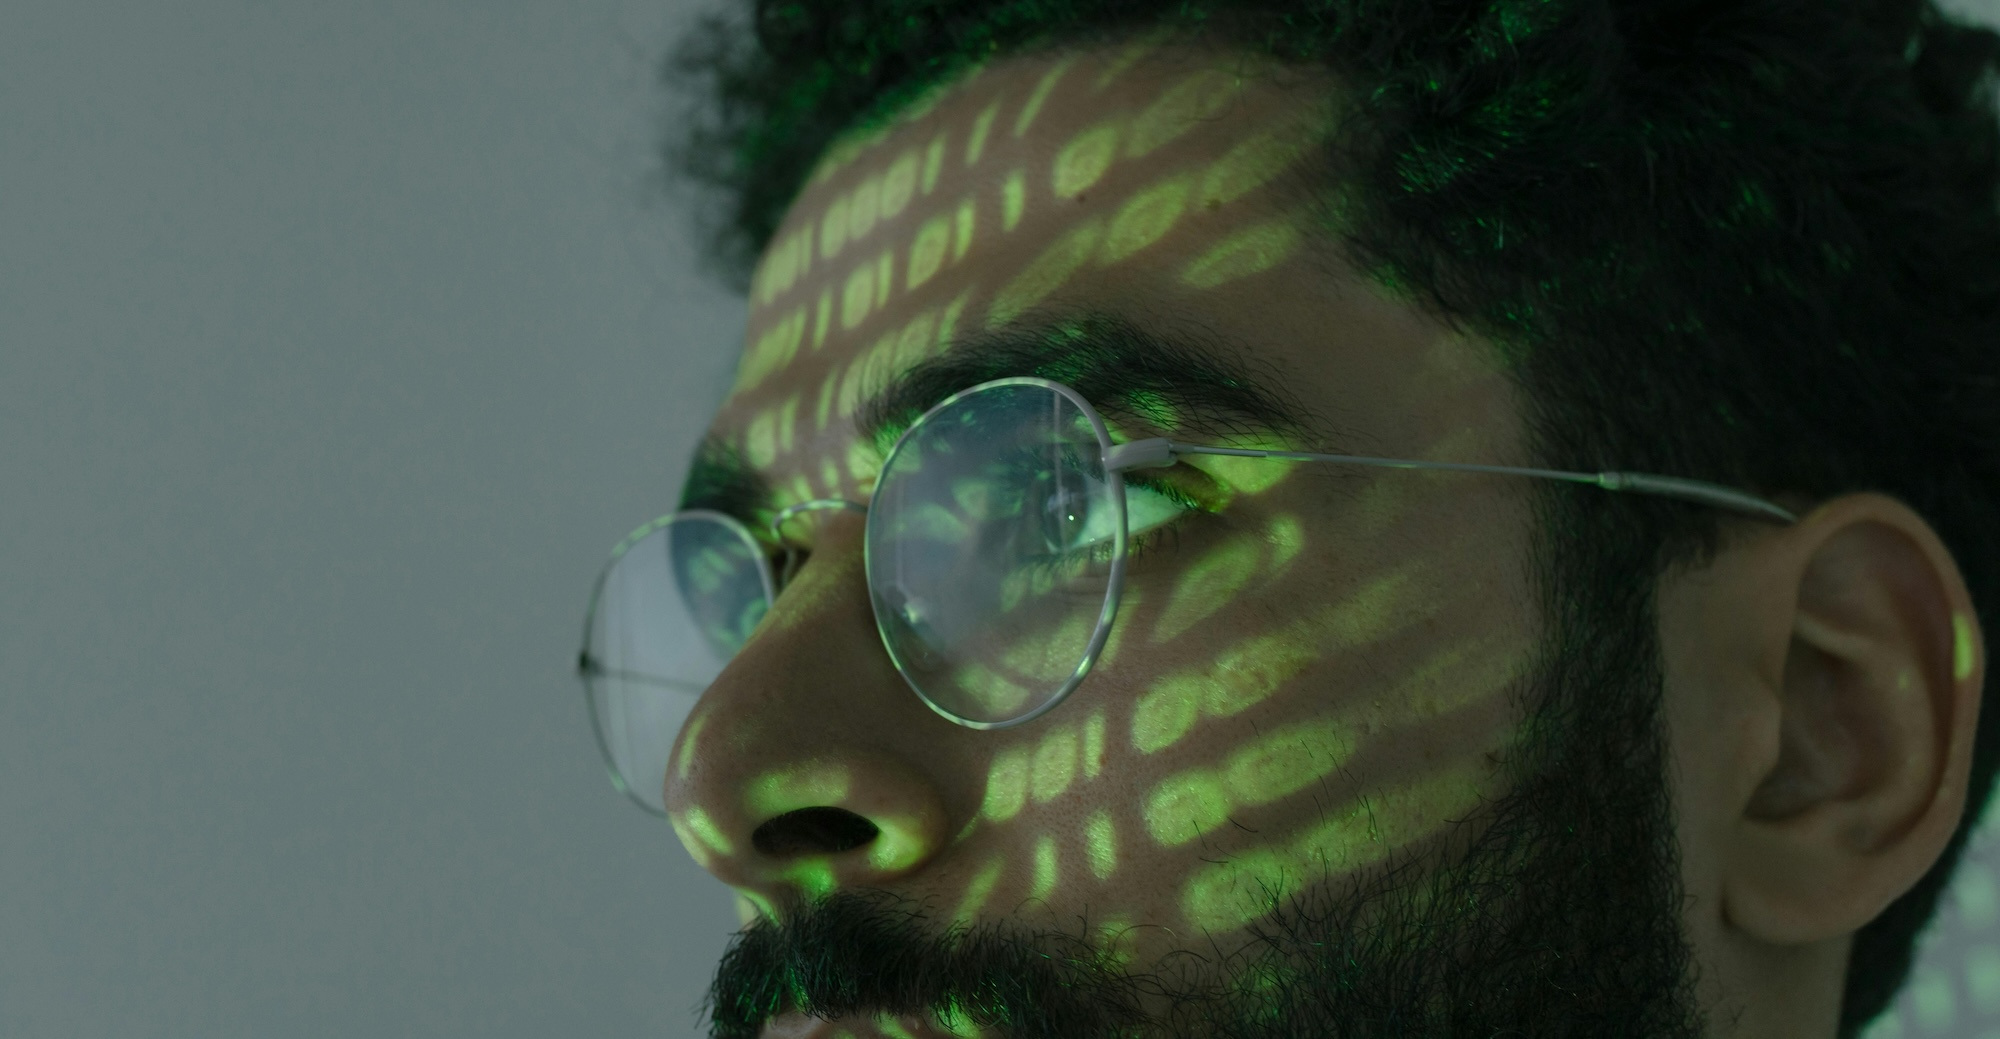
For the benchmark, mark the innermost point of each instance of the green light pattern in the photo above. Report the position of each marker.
(1006, 785)
(1248, 476)
(1250, 251)
(1254, 161)
(708, 833)
(1046, 273)
(1207, 585)
(888, 1026)
(955, 1021)
(1286, 538)
(1978, 898)
(975, 146)
(1982, 978)
(977, 891)
(1081, 163)
(899, 844)
(1192, 803)
(1145, 219)
(1224, 896)
(1055, 765)
(1093, 745)
(814, 877)
(696, 848)
(1013, 200)
(1964, 656)
(1189, 103)
(1041, 94)
(1185, 806)
(810, 785)
(1045, 868)
(1100, 841)
(927, 251)
(933, 162)
(688, 739)
(993, 694)
(1934, 1002)
(761, 905)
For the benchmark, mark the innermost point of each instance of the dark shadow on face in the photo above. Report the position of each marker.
(1558, 913)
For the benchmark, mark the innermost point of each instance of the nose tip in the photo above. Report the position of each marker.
(800, 830)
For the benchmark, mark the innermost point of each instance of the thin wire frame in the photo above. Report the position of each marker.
(588, 668)
(1106, 614)
(1152, 452)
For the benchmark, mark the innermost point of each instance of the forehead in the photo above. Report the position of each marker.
(1160, 181)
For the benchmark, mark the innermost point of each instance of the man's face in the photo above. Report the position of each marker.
(1318, 673)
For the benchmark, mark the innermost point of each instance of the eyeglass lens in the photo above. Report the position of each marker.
(995, 548)
(670, 612)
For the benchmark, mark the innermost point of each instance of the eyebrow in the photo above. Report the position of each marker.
(1182, 379)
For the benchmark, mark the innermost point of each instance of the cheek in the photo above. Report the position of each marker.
(1260, 717)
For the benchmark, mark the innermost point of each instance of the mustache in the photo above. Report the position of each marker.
(867, 952)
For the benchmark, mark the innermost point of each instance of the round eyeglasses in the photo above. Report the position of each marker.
(994, 550)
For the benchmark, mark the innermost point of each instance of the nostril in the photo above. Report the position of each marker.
(813, 831)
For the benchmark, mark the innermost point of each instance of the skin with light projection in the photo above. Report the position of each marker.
(1305, 790)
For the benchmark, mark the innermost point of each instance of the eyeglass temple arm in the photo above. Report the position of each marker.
(1158, 452)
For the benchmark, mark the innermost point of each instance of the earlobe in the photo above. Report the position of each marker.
(1875, 719)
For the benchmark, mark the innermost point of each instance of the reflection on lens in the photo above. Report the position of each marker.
(995, 545)
(676, 603)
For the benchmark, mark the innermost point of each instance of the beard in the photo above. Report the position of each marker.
(1555, 912)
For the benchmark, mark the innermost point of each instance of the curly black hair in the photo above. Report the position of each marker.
(1749, 241)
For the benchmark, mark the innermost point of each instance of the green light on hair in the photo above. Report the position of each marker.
(1148, 405)
(1100, 840)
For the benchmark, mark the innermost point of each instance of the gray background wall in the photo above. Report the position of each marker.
(338, 344)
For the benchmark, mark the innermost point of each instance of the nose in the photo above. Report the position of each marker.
(801, 768)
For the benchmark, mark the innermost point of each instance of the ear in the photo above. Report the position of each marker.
(1859, 726)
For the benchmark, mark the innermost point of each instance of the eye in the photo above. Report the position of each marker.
(1074, 521)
